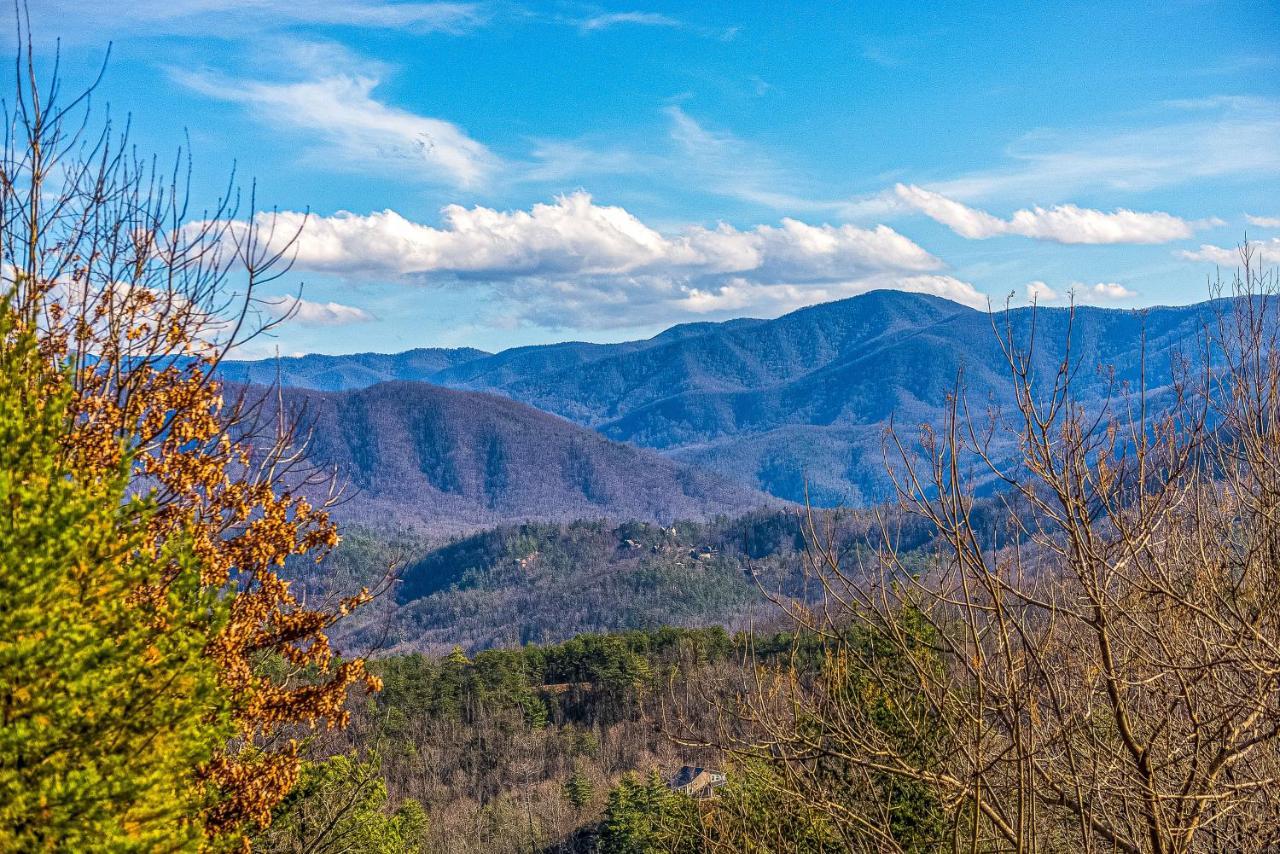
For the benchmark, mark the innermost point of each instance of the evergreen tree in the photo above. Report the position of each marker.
(646, 817)
(108, 705)
(578, 790)
(340, 805)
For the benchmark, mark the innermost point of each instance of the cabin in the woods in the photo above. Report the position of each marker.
(696, 782)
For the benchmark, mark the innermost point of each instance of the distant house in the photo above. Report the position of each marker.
(696, 782)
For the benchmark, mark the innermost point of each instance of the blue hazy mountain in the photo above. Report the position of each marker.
(804, 398)
(446, 460)
(341, 373)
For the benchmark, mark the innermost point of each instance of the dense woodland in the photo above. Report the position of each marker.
(545, 582)
(438, 460)
(566, 748)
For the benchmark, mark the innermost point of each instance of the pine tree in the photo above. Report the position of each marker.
(645, 817)
(341, 805)
(139, 304)
(107, 708)
(578, 790)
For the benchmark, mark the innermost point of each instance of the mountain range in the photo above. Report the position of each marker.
(799, 402)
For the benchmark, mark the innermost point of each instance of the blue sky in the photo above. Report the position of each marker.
(495, 174)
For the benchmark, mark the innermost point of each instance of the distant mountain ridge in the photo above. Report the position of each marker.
(804, 399)
(343, 373)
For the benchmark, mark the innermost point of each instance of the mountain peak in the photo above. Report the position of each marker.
(447, 459)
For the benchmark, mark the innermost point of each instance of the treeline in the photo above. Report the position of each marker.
(1085, 660)
(511, 749)
(569, 747)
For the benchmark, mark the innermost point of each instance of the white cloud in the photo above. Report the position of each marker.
(610, 20)
(1268, 251)
(738, 295)
(1040, 292)
(1263, 221)
(724, 164)
(239, 18)
(644, 19)
(575, 236)
(1101, 292)
(308, 313)
(354, 129)
(1179, 143)
(1182, 142)
(1060, 223)
(574, 262)
(560, 161)
(694, 155)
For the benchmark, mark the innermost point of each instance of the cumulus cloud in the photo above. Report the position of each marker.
(1101, 292)
(1038, 291)
(308, 313)
(738, 295)
(575, 236)
(573, 261)
(1263, 221)
(1229, 256)
(354, 129)
(1061, 223)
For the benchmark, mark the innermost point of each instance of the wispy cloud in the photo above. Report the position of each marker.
(574, 262)
(307, 313)
(726, 165)
(611, 20)
(719, 162)
(562, 160)
(349, 128)
(246, 18)
(1181, 142)
(1060, 223)
(690, 155)
(1263, 221)
(615, 19)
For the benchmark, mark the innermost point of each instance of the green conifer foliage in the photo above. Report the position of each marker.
(106, 706)
(340, 807)
(578, 790)
(646, 817)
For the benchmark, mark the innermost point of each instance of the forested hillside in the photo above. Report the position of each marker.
(446, 460)
(805, 399)
(888, 574)
(545, 582)
(523, 749)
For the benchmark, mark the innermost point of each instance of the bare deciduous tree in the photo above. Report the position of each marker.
(1097, 671)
